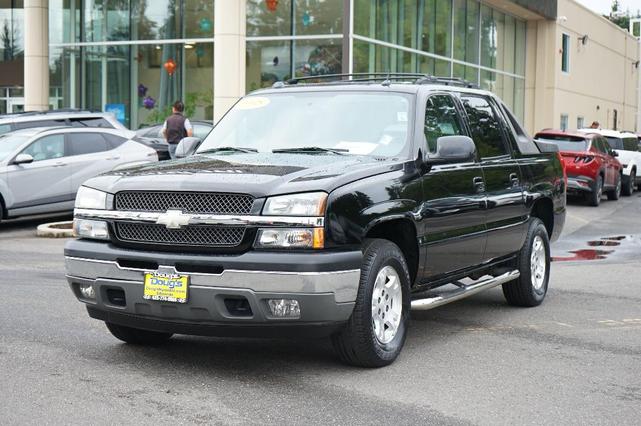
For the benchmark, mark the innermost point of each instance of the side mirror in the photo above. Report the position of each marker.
(453, 149)
(614, 153)
(23, 159)
(187, 146)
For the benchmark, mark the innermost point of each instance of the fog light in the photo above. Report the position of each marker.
(284, 308)
(96, 229)
(87, 291)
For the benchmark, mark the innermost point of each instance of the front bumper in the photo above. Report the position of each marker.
(325, 285)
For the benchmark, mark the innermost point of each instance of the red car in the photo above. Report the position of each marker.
(589, 162)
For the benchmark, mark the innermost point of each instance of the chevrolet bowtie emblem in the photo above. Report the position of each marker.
(174, 219)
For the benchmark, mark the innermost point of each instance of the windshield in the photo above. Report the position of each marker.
(8, 145)
(566, 144)
(615, 143)
(347, 122)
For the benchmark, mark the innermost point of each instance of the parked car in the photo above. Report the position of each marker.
(201, 130)
(57, 118)
(590, 164)
(323, 209)
(626, 145)
(41, 169)
(154, 133)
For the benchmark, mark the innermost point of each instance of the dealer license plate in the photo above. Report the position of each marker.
(166, 287)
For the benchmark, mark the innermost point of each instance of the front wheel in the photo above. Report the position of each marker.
(375, 333)
(137, 336)
(533, 263)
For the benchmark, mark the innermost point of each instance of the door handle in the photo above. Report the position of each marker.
(61, 164)
(479, 184)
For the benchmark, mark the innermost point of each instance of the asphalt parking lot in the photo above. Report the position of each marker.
(574, 360)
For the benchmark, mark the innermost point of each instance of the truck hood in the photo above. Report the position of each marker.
(258, 174)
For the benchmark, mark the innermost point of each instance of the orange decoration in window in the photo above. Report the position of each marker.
(170, 66)
(271, 5)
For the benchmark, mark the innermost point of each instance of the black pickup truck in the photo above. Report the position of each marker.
(331, 208)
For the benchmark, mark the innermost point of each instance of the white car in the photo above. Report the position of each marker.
(41, 169)
(626, 146)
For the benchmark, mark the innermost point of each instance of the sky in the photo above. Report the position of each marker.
(604, 6)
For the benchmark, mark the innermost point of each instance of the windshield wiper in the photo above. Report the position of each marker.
(227, 148)
(308, 149)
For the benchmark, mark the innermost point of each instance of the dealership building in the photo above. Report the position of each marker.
(554, 62)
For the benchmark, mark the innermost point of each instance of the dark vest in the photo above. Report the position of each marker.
(176, 128)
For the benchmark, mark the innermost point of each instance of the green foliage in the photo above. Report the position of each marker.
(619, 17)
(192, 101)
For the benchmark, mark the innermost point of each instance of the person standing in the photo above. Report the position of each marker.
(176, 127)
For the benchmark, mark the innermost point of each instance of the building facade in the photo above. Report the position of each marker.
(135, 57)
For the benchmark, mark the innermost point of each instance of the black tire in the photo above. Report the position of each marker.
(136, 336)
(523, 291)
(357, 344)
(630, 185)
(594, 197)
(615, 194)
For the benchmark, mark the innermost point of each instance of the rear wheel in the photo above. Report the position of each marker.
(594, 197)
(375, 333)
(615, 194)
(629, 187)
(137, 336)
(534, 265)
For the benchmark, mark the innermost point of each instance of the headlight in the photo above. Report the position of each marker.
(302, 238)
(307, 204)
(94, 229)
(88, 198)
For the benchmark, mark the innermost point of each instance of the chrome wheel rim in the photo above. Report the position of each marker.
(387, 304)
(538, 263)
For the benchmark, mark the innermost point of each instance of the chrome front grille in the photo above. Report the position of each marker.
(195, 236)
(188, 202)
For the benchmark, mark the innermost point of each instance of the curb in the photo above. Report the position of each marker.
(55, 230)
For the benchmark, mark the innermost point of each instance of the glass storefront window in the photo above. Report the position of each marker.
(465, 72)
(198, 18)
(318, 17)
(488, 38)
(436, 27)
(156, 20)
(317, 57)
(156, 89)
(269, 18)
(199, 80)
(466, 31)
(519, 60)
(267, 62)
(106, 20)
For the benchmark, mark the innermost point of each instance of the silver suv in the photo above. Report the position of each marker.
(42, 169)
(57, 118)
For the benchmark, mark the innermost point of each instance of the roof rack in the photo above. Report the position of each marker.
(54, 111)
(386, 78)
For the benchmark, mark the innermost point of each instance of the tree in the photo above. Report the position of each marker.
(619, 17)
(8, 39)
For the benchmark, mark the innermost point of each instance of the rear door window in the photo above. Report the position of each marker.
(485, 127)
(113, 140)
(87, 143)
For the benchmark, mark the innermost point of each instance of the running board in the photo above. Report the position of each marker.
(462, 292)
